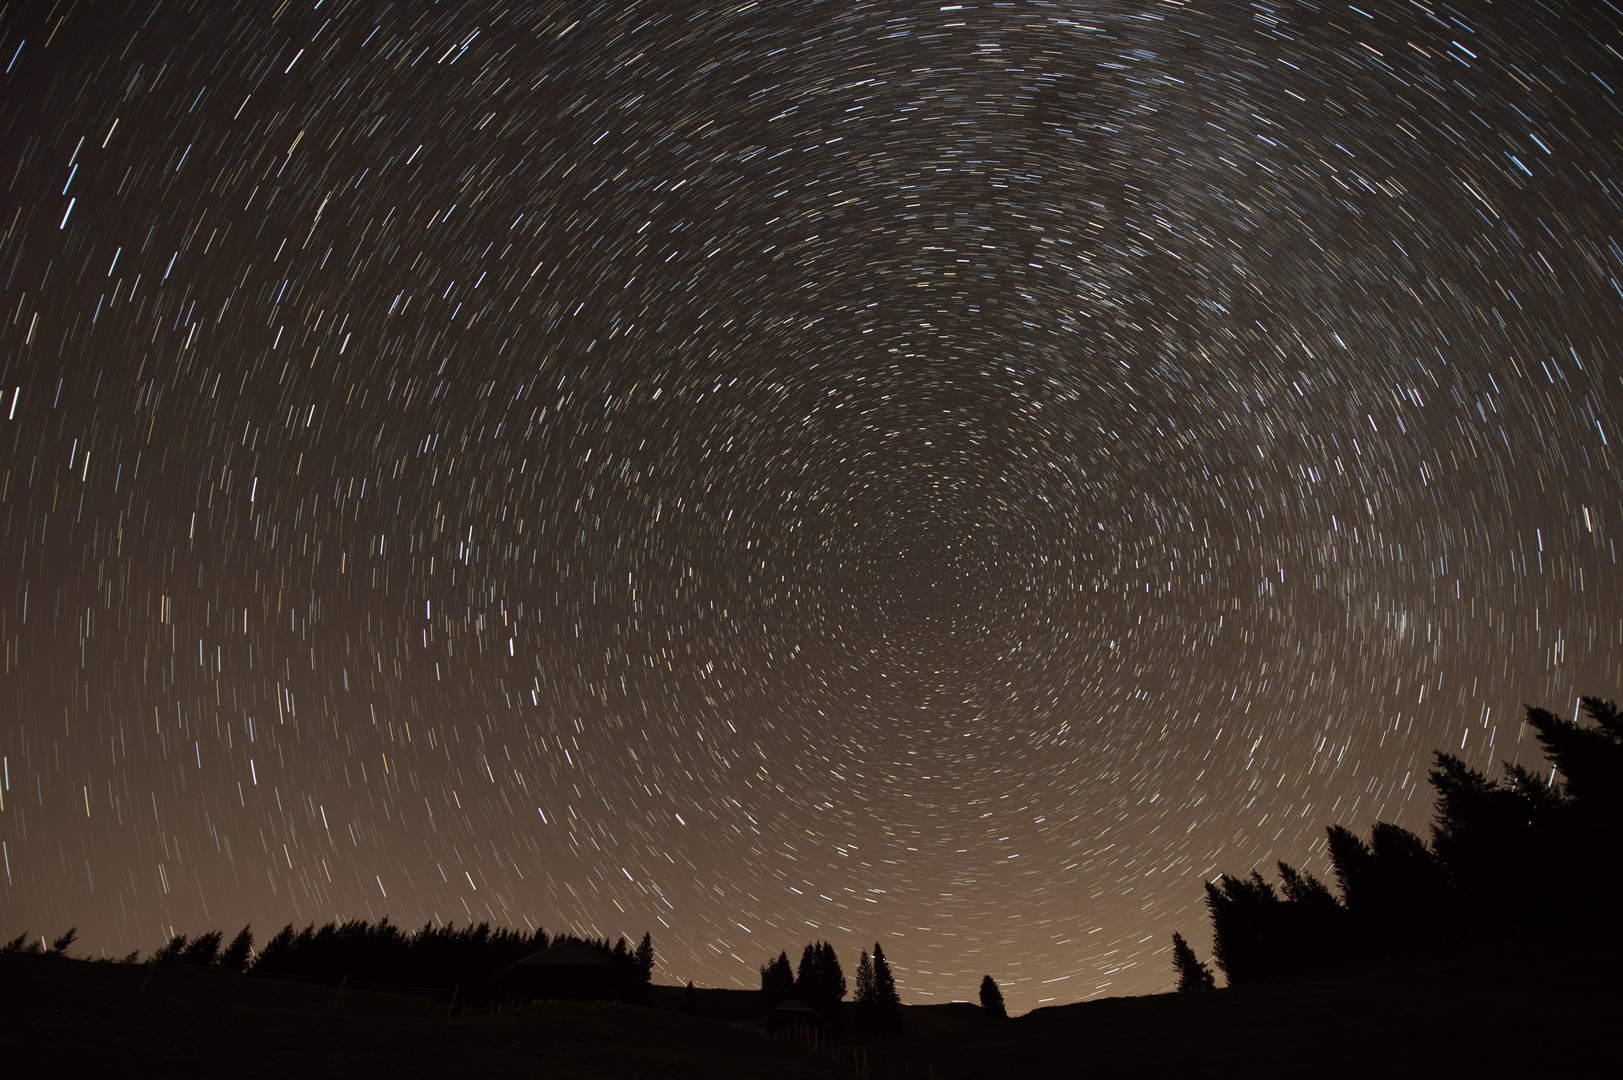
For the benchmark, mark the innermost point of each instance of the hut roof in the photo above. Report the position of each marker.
(568, 953)
(794, 1005)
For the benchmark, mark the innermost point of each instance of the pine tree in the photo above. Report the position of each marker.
(276, 958)
(864, 992)
(239, 952)
(203, 951)
(992, 997)
(645, 958)
(171, 950)
(820, 982)
(1243, 911)
(777, 983)
(878, 1007)
(1193, 974)
(884, 983)
(690, 999)
(60, 945)
(866, 1008)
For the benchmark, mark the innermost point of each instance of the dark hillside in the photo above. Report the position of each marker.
(1528, 1011)
(1536, 1009)
(73, 1018)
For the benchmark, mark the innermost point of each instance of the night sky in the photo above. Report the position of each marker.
(955, 476)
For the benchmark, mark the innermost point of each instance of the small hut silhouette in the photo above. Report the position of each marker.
(569, 970)
(794, 1019)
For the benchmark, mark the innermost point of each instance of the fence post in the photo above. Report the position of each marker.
(342, 983)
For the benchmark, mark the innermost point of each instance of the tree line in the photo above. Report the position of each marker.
(437, 957)
(1522, 849)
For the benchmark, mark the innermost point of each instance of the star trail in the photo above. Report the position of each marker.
(951, 475)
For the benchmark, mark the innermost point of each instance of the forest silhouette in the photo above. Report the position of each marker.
(1520, 852)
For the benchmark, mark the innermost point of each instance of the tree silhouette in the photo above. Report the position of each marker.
(1524, 849)
(878, 1009)
(777, 982)
(170, 951)
(887, 1002)
(203, 950)
(1502, 846)
(277, 955)
(60, 945)
(690, 999)
(645, 958)
(864, 985)
(992, 998)
(239, 952)
(1312, 928)
(863, 995)
(820, 982)
(1242, 910)
(1193, 974)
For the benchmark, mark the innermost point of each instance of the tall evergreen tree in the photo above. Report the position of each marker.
(879, 1009)
(1193, 974)
(237, 954)
(60, 946)
(820, 982)
(645, 958)
(203, 951)
(866, 1006)
(992, 999)
(884, 983)
(1311, 928)
(171, 950)
(777, 982)
(1502, 850)
(864, 991)
(1242, 911)
(276, 957)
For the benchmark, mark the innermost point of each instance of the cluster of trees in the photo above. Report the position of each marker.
(381, 953)
(879, 1006)
(204, 951)
(21, 944)
(432, 956)
(820, 984)
(1521, 849)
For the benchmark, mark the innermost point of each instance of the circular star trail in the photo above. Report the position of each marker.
(951, 475)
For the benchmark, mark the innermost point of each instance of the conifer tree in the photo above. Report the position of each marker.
(820, 982)
(203, 951)
(884, 990)
(645, 958)
(992, 998)
(864, 992)
(1193, 974)
(171, 950)
(777, 982)
(60, 945)
(866, 1010)
(239, 952)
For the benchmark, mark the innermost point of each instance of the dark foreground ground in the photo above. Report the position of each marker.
(1526, 1011)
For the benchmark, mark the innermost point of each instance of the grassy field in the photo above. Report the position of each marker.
(1519, 1013)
